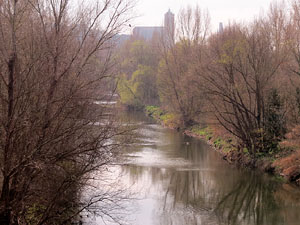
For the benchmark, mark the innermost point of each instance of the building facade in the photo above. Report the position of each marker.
(147, 33)
(167, 32)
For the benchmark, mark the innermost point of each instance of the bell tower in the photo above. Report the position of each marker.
(169, 26)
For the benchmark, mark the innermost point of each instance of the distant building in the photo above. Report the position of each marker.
(220, 28)
(121, 38)
(167, 31)
(169, 25)
(147, 33)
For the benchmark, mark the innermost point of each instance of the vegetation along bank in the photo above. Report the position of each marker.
(282, 161)
(239, 87)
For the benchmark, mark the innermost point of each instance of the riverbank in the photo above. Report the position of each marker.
(284, 162)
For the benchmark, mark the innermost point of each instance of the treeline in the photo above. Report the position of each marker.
(55, 67)
(244, 78)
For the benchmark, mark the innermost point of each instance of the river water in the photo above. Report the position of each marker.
(178, 180)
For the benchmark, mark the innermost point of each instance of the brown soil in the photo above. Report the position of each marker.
(288, 164)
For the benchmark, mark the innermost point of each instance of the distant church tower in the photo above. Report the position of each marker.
(169, 26)
(221, 28)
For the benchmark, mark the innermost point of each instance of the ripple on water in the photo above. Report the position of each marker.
(150, 157)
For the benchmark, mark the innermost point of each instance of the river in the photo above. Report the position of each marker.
(179, 180)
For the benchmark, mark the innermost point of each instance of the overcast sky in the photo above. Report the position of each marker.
(152, 11)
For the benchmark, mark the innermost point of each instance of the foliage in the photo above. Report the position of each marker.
(267, 138)
(168, 118)
(126, 92)
(154, 111)
(150, 109)
(137, 81)
(34, 213)
(219, 143)
(140, 90)
(158, 114)
(275, 119)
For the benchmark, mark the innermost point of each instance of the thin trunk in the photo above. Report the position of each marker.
(7, 154)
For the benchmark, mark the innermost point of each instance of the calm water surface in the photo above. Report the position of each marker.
(178, 180)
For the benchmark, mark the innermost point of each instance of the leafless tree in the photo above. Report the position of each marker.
(177, 79)
(245, 62)
(55, 62)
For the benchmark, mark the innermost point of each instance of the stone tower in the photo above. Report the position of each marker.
(169, 26)
(220, 31)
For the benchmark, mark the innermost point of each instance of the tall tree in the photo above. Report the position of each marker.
(178, 82)
(244, 64)
(54, 64)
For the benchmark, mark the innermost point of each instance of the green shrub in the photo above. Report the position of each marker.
(154, 111)
(208, 137)
(34, 213)
(202, 131)
(220, 143)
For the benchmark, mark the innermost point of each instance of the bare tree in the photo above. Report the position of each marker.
(245, 62)
(177, 79)
(55, 61)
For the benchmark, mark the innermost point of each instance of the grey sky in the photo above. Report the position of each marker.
(151, 11)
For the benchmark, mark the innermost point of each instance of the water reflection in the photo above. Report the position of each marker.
(251, 201)
(180, 180)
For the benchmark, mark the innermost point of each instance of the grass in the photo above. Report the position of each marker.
(218, 142)
(168, 119)
(284, 158)
(205, 132)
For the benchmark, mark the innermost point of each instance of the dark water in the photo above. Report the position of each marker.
(178, 180)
